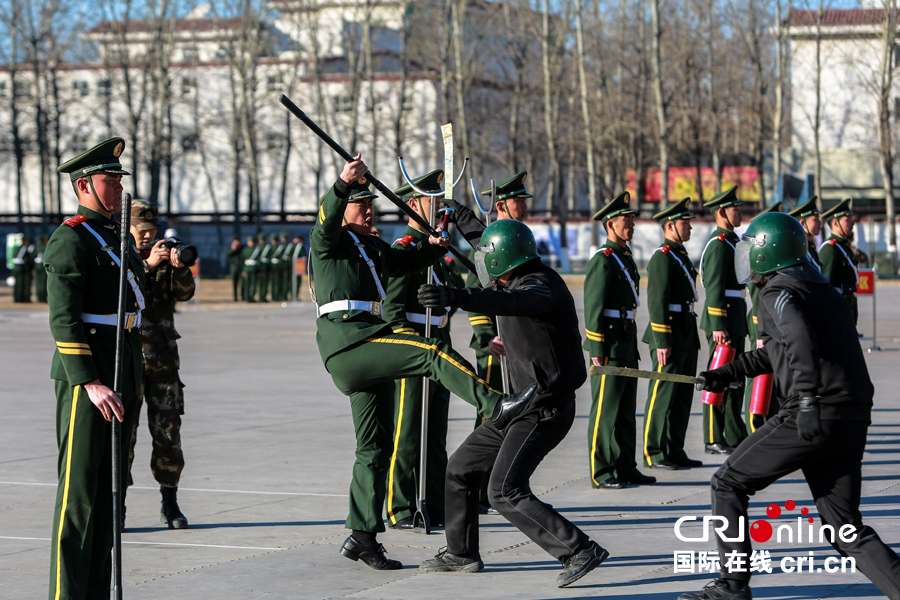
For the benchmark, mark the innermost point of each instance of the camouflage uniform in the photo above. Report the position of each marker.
(162, 388)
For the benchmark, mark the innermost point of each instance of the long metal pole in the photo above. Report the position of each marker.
(124, 252)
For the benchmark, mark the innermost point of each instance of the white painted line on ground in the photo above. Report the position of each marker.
(33, 539)
(184, 489)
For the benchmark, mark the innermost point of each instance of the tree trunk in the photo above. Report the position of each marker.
(885, 138)
(459, 73)
(817, 119)
(548, 107)
(780, 75)
(586, 118)
(715, 140)
(661, 125)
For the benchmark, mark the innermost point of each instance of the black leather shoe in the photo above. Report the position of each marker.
(688, 462)
(639, 478)
(719, 590)
(719, 449)
(406, 523)
(373, 555)
(613, 484)
(169, 513)
(512, 406)
(444, 561)
(580, 564)
(666, 465)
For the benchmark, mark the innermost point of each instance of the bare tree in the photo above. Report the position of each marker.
(586, 119)
(753, 30)
(661, 124)
(885, 89)
(11, 18)
(715, 123)
(817, 116)
(781, 63)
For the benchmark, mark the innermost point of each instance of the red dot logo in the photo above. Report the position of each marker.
(811, 519)
(804, 512)
(773, 511)
(790, 505)
(761, 531)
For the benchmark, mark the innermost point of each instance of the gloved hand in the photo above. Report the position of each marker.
(437, 296)
(808, 425)
(715, 381)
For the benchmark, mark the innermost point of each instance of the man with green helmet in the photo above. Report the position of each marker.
(611, 298)
(348, 271)
(808, 215)
(839, 262)
(826, 401)
(724, 318)
(537, 315)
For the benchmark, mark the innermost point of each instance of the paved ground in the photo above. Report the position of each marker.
(268, 442)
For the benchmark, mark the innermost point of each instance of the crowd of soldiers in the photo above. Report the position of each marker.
(372, 296)
(28, 270)
(262, 270)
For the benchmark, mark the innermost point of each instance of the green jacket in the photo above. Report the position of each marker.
(82, 278)
(839, 264)
(724, 308)
(814, 254)
(235, 259)
(338, 272)
(607, 287)
(250, 258)
(752, 320)
(671, 279)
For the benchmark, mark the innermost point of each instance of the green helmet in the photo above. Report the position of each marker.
(773, 241)
(505, 245)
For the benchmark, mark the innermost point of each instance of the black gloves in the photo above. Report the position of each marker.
(808, 426)
(437, 296)
(715, 381)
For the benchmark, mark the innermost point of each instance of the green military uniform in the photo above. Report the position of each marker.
(234, 267)
(264, 269)
(22, 268)
(82, 290)
(671, 294)
(250, 260)
(281, 285)
(807, 209)
(162, 387)
(838, 259)
(40, 274)
(610, 301)
(362, 353)
(723, 310)
(754, 422)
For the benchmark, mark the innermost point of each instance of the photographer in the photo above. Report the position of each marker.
(167, 280)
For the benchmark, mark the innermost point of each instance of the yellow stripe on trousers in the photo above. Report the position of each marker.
(65, 501)
(390, 498)
(490, 364)
(711, 415)
(597, 421)
(647, 417)
(446, 357)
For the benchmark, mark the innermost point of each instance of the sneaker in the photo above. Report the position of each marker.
(719, 590)
(580, 564)
(444, 561)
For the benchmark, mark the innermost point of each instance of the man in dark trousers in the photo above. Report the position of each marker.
(234, 265)
(543, 347)
(826, 402)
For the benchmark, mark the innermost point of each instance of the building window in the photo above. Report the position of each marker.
(104, 87)
(191, 54)
(189, 142)
(80, 88)
(188, 86)
(343, 103)
(273, 83)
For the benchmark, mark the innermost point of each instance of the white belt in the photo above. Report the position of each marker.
(372, 307)
(131, 319)
(18, 261)
(421, 320)
(249, 262)
(38, 260)
(614, 314)
(687, 307)
(734, 293)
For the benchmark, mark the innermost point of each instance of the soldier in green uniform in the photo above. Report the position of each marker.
(754, 422)
(836, 254)
(23, 266)
(402, 309)
(724, 318)
(82, 291)
(166, 281)
(234, 265)
(673, 339)
(273, 285)
(298, 250)
(250, 260)
(263, 269)
(808, 215)
(348, 268)
(40, 274)
(610, 301)
(282, 253)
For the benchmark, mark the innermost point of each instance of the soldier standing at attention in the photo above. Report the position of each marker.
(40, 274)
(166, 281)
(298, 250)
(284, 267)
(808, 215)
(724, 318)
(23, 266)
(275, 250)
(348, 268)
(234, 265)
(249, 257)
(82, 293)
(610, 301)
(402, 307)
(673, 339)
(838, 259)
(264, 269)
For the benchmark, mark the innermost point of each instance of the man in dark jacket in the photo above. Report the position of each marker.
(810, 344)
(542, 345)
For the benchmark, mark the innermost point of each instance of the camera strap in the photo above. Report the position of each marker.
(132, 281)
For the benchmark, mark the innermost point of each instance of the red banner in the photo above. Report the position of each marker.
(300, 266)
(195, 270)
(683, 183)
(866, 285)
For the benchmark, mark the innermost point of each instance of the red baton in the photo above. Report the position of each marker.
(761, 394)
(723, 355)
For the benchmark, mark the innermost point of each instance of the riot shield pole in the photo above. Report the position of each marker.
(124, 252)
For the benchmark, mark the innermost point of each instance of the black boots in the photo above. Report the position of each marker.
(169, 513)
(372, 554)
(512, 406)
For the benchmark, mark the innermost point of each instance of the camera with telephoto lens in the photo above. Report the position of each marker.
(187, 254)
